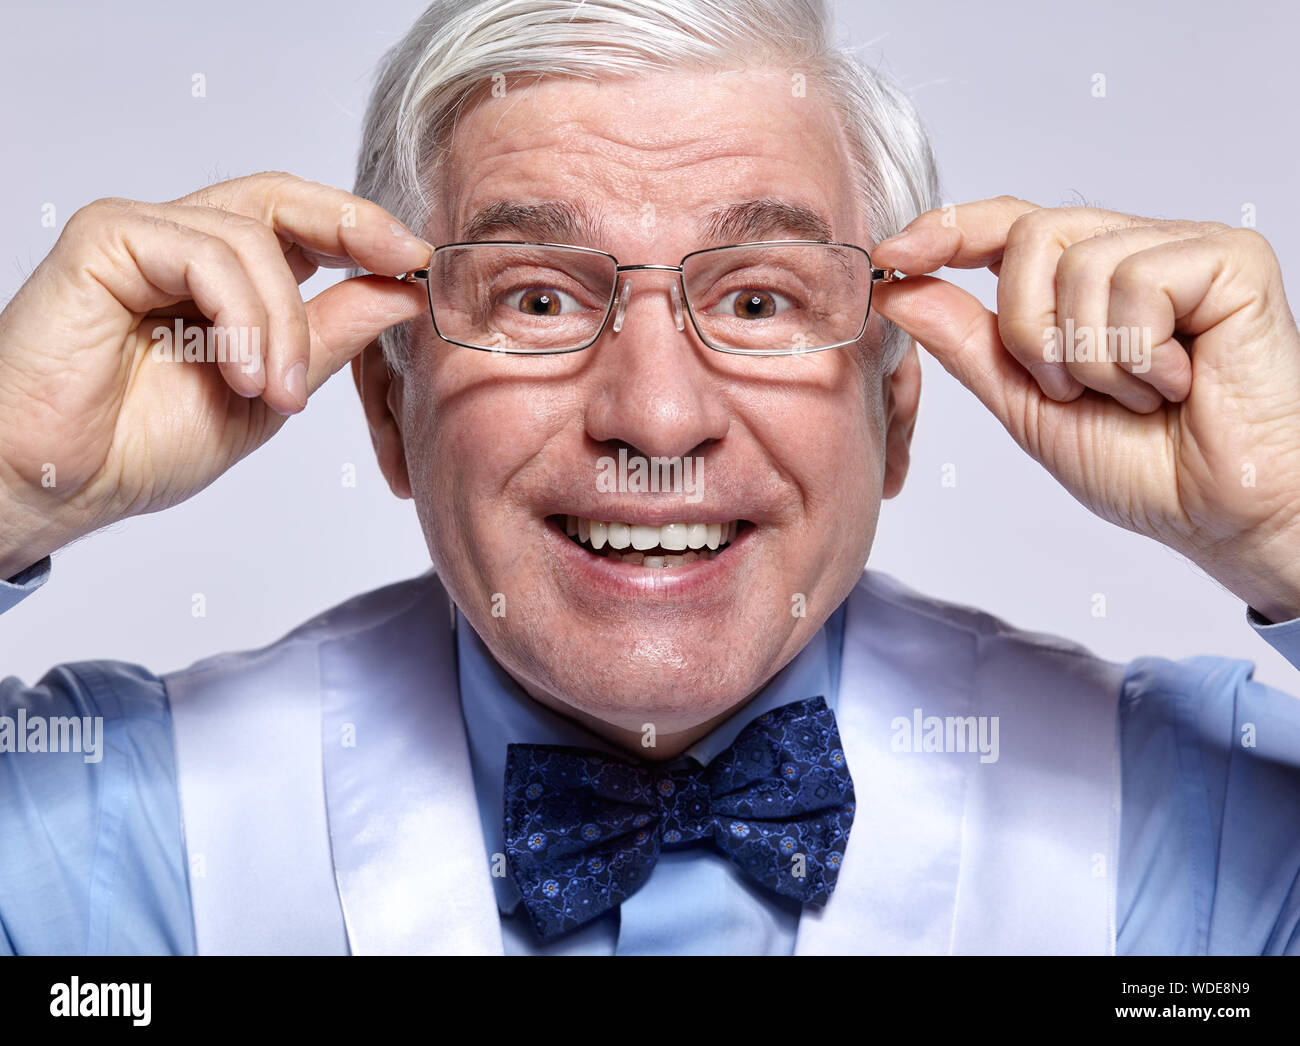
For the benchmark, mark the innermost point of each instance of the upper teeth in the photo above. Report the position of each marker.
(670, 536)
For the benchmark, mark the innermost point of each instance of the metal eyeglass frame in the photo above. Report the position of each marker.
(877, 276)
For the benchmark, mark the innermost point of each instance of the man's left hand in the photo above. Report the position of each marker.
(1184, 427)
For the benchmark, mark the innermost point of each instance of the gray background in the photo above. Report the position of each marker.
(1198, 121)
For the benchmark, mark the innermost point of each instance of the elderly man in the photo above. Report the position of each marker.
(647, 395)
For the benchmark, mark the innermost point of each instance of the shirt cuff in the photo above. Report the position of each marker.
(1282, 636)
(23, 584)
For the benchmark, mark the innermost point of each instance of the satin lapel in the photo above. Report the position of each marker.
(1042, 823)
(247, 733)
(896, 890)
(951, 851)
(409, 856)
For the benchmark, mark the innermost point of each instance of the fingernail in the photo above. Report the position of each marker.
(255, 372)
(1142, 401)
(1051, 379)
(898, 236)
(403, 233)
(295, 383)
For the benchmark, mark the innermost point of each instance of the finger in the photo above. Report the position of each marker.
(965, 236)
(1029, 319)
(954, 327)
(146, 261)
(1189, 287)
(262, 255)
(302, 267)
(350, 315)
(1113, 359)
(333, 227)
(1021, 243)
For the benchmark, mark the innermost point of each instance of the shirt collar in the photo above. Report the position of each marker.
(498, 713)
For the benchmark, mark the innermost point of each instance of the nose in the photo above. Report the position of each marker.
(652, 388)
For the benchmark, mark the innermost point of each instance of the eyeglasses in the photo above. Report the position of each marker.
(767, 298)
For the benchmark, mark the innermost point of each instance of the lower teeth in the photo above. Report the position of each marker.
(664, 561)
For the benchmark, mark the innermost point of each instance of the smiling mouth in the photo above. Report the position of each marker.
(655, 547)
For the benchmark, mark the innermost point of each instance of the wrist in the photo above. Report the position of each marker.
(1265, 575)
(28, 534)
(21, 548)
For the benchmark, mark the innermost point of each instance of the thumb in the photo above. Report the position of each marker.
(348, 316)
(955, 328)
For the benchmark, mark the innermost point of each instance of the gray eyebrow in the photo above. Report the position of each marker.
(765, 218)
(560, 221)
(554, 221)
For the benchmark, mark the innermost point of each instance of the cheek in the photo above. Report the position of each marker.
(433, 445)
(857, 476)
(462, 431)
(860, 421)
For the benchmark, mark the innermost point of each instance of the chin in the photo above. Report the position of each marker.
(655, 675)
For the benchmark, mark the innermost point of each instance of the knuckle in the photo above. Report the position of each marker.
(1120, 227)
(262, 179)
(1022, 337)
(211, 249)
(1133, 275)
(105, 209)
(1250, 239)
(1176, 229)
(1074, 265)
(265, 183)
(275, 176)
(246, 234)
(230, 221)
(1028, 226)
(246, 229)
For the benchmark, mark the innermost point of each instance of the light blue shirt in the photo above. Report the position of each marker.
(92, 858)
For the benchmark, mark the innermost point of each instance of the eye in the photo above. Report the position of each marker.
(543, 301)
(752, 304)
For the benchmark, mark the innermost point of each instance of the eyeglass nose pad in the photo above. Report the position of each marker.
(620, 306)
(677, 309)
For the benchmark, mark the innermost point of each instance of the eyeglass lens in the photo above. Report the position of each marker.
(768, 298)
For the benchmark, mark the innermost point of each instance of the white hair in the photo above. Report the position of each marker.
(458, 49)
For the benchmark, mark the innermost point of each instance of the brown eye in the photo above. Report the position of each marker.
(754, 305)
(540, 301)
(755, 302)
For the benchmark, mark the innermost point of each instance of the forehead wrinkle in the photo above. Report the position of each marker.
(664, 147)
(625, 163)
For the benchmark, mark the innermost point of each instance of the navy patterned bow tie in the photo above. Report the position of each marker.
(583, 830)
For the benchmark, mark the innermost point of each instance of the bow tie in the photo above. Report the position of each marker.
(583, 830)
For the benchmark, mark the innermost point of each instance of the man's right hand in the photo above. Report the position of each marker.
(93, 428)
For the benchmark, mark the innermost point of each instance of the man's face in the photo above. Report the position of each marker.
(790, 451)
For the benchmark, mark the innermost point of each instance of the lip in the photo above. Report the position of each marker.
(599, 580)
(650, 516)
